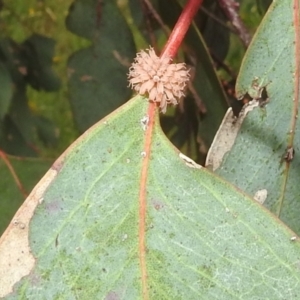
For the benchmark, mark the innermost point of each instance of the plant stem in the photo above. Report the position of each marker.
(169, 50)
(180, 29)
(230, 8)
(5, 159)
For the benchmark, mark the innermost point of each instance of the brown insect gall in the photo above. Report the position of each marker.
(157, 78)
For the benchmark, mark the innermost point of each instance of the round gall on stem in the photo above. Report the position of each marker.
(157, 78)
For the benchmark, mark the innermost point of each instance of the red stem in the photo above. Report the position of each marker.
(180, 29)
(169, 50)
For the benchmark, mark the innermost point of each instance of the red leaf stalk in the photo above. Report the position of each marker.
(169, 51)
(180, 29)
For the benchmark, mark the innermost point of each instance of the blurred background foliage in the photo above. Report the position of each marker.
(63, 66)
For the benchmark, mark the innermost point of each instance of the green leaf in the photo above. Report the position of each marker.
(12, 69)
(11, 54)
(145, 21)
(263, 5)
(6, 90)
(84, 18)
(28, 172)
(180, 124)
(29, 63)
(255, 158)
(12, 140)
(21, 115)
(39, 52)
(215, 34)
(137, 10)
(203, 238)
(210, 91)
(47, 131)
(98, 74)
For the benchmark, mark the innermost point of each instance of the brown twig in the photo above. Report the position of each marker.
(147, 11)
(230, 8)
(218, 20)
(3, 156)
(223, 65)
(157, 17)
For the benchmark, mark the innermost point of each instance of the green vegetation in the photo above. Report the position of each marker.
(19, 20)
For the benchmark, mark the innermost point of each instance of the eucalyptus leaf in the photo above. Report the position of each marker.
(92, 234)
(258, 159)
(98, 74)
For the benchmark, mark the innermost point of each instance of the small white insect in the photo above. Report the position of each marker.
(261, 196)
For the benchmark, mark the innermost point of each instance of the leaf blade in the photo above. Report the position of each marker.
(199, 228)
(256, 159)
(97, 75)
